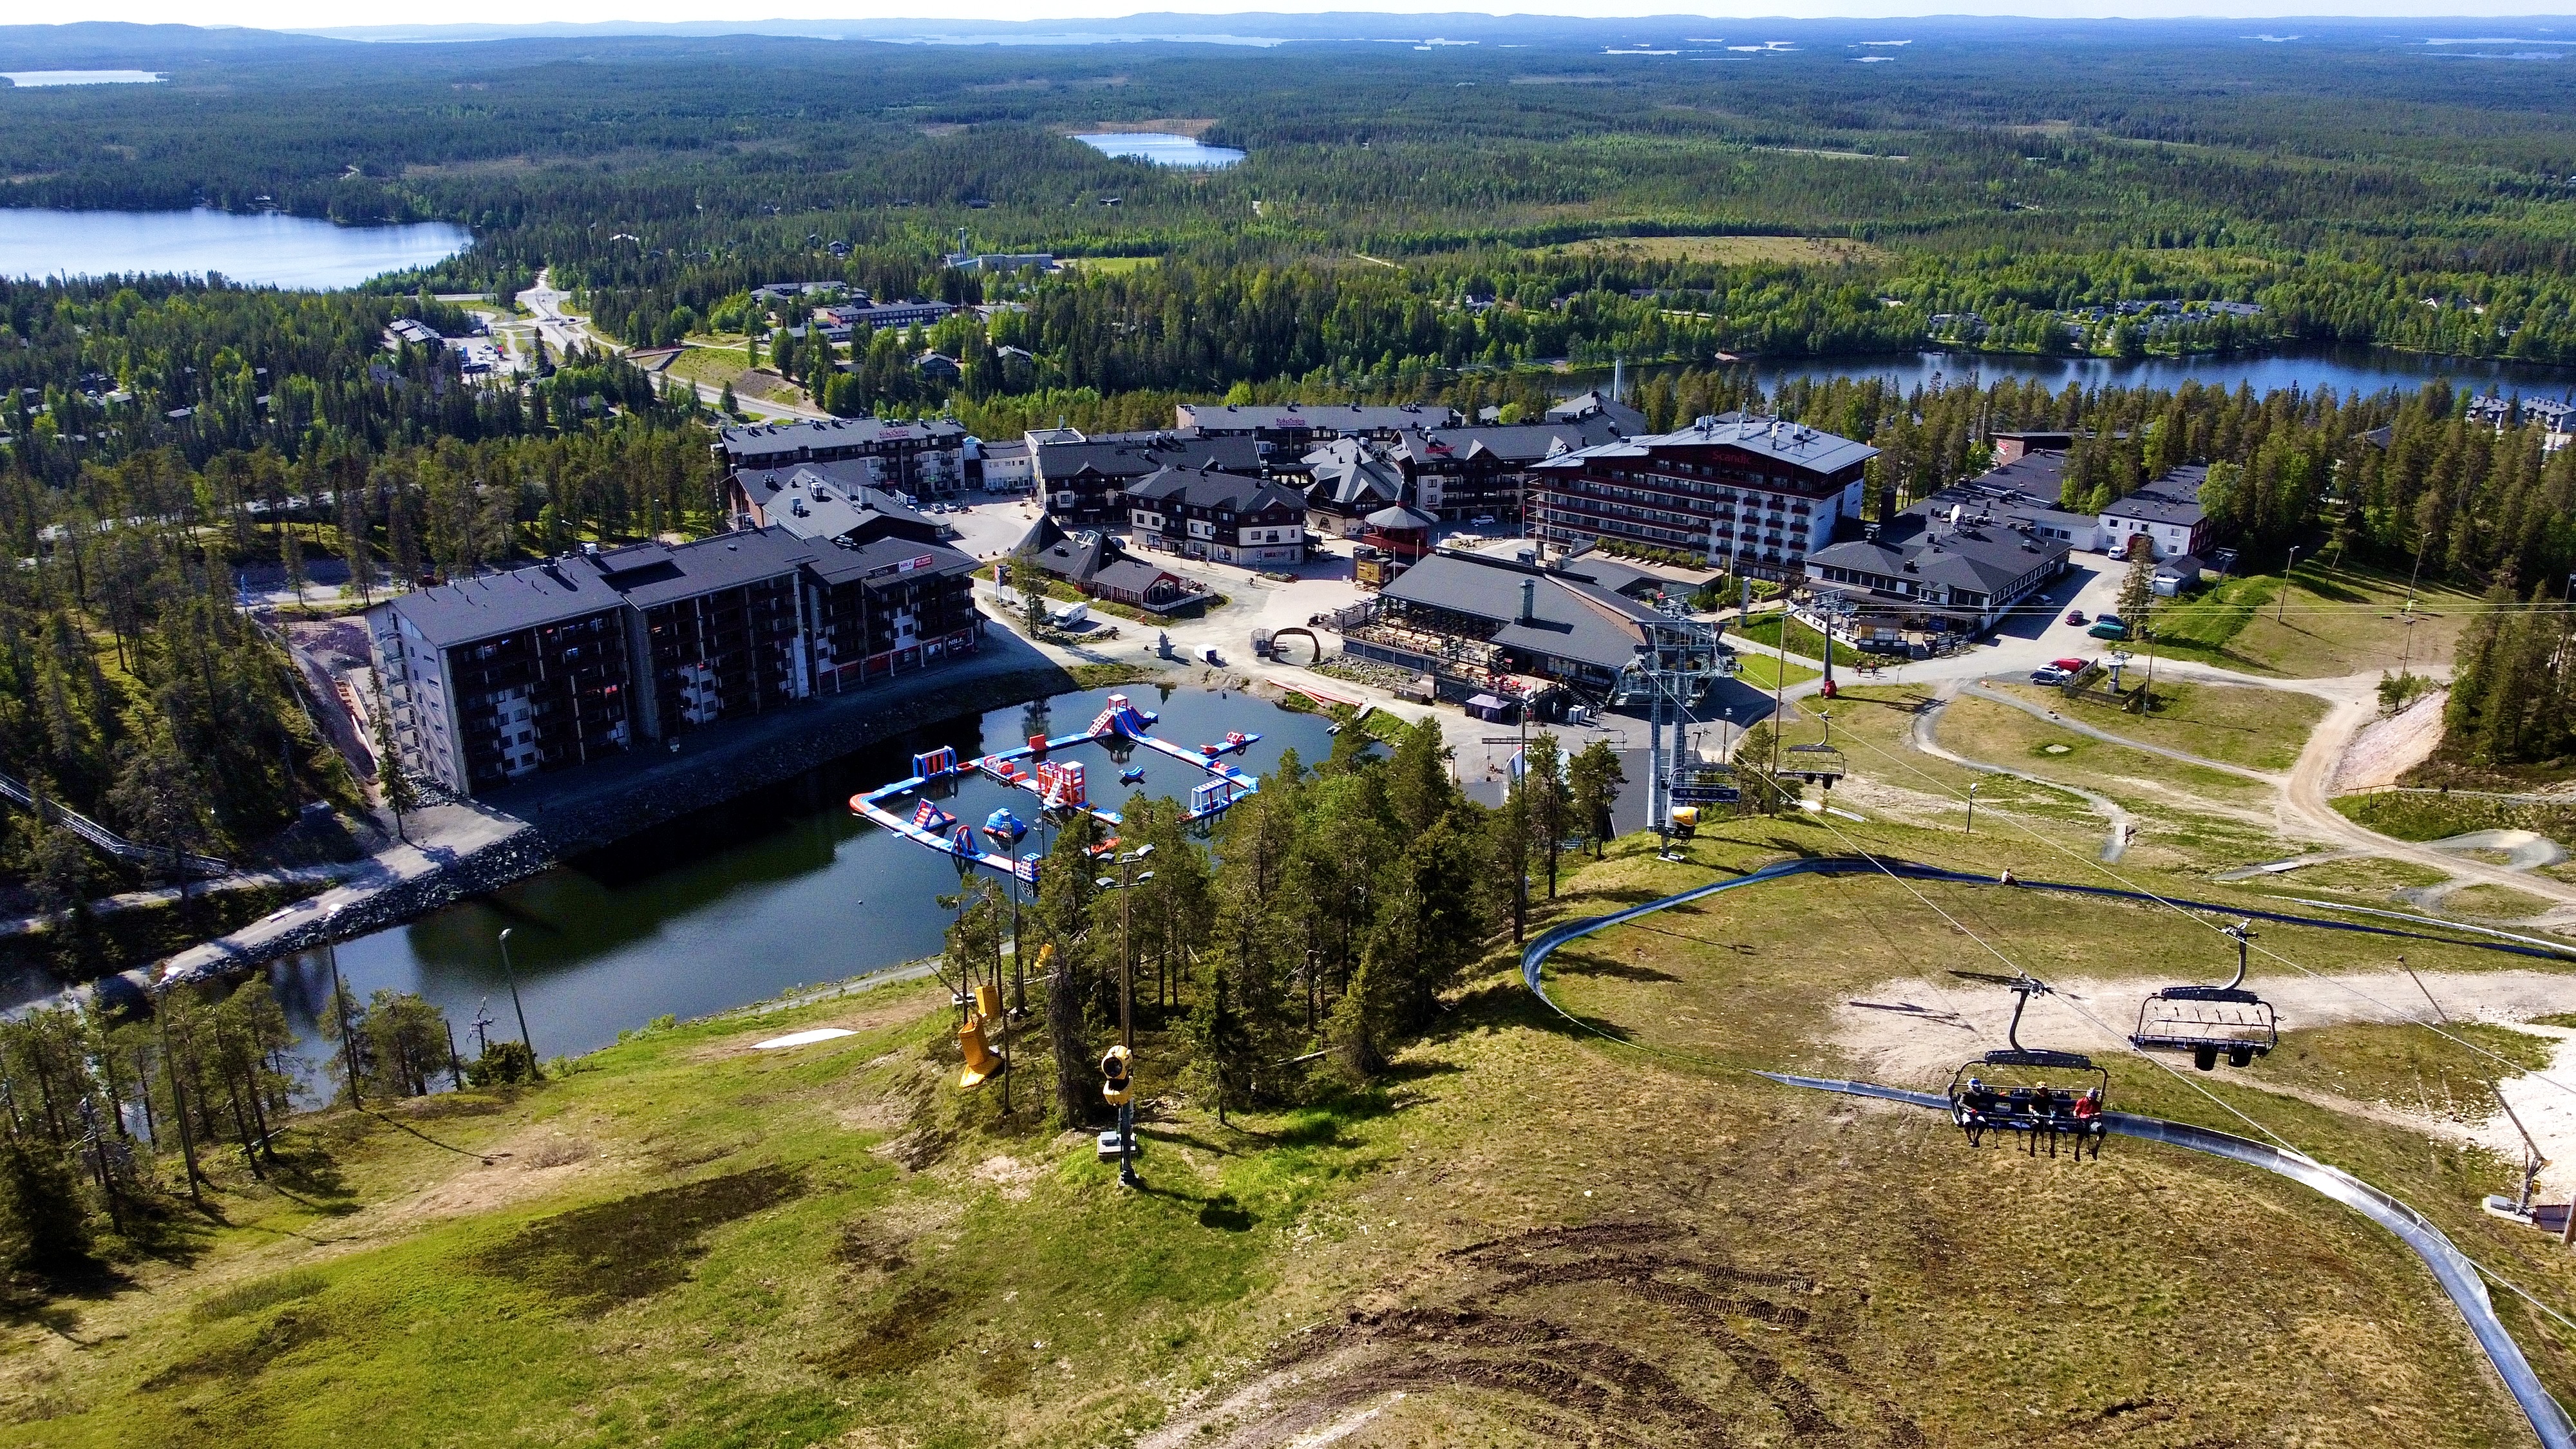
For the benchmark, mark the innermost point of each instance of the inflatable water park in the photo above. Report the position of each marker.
(1061, 786)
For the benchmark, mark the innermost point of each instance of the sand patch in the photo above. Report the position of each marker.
(1011, 1174)
(2387, 748)
(537, 1164)
(1913, 1033)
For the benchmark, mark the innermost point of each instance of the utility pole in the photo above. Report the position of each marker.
(512, 976)
(340, 1001)
(1128, 879)
(1972, 805)
(1520, 851)
(2289, 576)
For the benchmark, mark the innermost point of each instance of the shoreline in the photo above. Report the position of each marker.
(534, 828)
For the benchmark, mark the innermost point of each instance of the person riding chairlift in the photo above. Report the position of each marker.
(2088, 1111)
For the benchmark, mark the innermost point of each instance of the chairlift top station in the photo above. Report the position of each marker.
(1059, 784)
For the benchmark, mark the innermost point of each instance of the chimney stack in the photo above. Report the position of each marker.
(1529, 601)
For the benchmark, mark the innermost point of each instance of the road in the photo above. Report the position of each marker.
(563, 331)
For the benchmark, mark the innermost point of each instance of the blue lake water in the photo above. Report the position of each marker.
(781, 888)
(33, 79)
(2345, 369)
(261, 249)
(1160, 149)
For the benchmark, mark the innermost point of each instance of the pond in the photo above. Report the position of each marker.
(1160, 148)
(781, 888)
(2307, 368)
(32, 79)
(260, 249)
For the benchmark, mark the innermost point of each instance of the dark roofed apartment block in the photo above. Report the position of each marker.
(1753, 495)
(493, 679)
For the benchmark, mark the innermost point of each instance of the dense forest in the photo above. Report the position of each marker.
(1446, 224)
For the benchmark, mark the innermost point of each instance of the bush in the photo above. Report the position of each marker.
(502, 1063)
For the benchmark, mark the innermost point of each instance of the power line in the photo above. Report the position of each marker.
(2105, 868)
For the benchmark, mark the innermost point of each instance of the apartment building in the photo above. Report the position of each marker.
(495, 679)
(1085, 480)
(1202, 513)
(1748, 494)
(925, 456)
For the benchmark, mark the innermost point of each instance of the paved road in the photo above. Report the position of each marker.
(563, 331)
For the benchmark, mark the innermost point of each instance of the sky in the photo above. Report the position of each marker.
(327, 14)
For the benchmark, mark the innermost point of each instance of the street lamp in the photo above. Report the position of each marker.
(1127, 880)
(1972, 805)
(2289, 573)
(520, 1011)
(340, 1002)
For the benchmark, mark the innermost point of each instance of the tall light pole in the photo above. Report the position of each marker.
(340, 1003)
(1972, 805)
(512, 976)
(1128, 879)
(2289, 576)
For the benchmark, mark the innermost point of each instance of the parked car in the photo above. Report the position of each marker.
(1483, 520)
(2047, 674)
(2075, 616)
(2071, 666)
(2108, 627)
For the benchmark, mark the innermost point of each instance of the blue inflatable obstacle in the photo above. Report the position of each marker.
(937, 764)
(929, 819)
(963, 843)
(1004, 828)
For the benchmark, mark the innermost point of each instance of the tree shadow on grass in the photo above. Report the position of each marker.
(53, 1300)
(1584, 963)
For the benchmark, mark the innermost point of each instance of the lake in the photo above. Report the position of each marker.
(781, 888)
(32, 79)
(2308, 368)
(1160, 149)
(259, 249)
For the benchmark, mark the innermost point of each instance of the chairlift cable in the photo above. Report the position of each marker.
(2105, 868)
(2177, 1073)
(2072, 1003)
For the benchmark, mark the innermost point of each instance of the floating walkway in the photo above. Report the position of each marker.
(1060, 785)
(2457, 1274)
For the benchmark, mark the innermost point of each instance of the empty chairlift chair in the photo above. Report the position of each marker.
(2034, 1093)
(2210, 1022)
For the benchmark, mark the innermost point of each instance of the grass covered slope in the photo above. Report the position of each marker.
(1527, 1233)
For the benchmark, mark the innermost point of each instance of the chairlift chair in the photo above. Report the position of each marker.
(1815, 764)
(2210, 1022)
(2036, 1092)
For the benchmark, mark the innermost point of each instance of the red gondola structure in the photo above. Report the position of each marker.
(2210, 1022)
(2035, 1093)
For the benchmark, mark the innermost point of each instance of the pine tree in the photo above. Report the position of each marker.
(1597, 778)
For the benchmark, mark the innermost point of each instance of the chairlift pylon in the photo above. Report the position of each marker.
(2211, 1022)
(2039, 1093)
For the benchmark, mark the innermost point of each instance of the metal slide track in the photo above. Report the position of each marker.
(108, 841)
(2452, 1270)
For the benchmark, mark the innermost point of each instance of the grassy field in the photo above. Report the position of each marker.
(2402, 1066)
(2494, 902)
(688, 1241)
(2336, 621)
(1871, 724)
(2000, 734)
(2410, 816)
(1767, 671)
(2370, 879)
(2259, 729)
(1728, 250)
(1108, 266)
